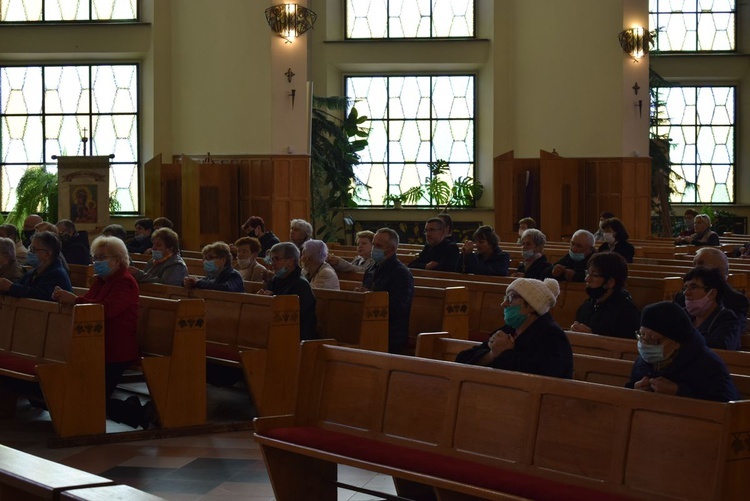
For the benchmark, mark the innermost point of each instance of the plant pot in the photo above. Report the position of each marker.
(397, 204)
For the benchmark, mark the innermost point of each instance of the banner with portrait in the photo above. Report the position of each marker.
(83, 188)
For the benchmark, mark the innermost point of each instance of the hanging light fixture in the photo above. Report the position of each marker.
(636, 42)
(290, 20)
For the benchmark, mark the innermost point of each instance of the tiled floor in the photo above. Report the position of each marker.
(213, 467)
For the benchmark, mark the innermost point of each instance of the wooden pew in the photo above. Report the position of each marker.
(25, 477)
(477, 433)
(108, 493)
(172, 338)
(61, 348)
(80, 275)
(254, 333)
(738, 362)
(591, 368)
(358, 319)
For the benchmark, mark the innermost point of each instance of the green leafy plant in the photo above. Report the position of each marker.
(36, 192)
(439, 191)
(335, 144)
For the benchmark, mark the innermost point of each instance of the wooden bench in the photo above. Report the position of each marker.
(478, 433)
(738, 362)
(80, 275)
(172, 337)
(591, 368)
(62, 349)
(257, 334)
(357, 319)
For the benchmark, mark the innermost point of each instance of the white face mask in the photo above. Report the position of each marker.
(609, 238)
(244, 263)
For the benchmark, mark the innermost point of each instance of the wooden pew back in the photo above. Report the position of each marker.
(630, 443)
(353, 318)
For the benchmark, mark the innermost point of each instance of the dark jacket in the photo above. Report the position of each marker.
(119, 295)
(617, 316)
(539, 269)
(446, 254)
(227, 279)
(392, 276)
(139, 246)
(732, 299)
(496, 264)
(41, 285)
(721, 329)
(708, 237)
(76, 249)
(698, 372)
(579, 268)
(625, 249)
(171, 271)
(295, 285)
(267, 241)
(543, 348)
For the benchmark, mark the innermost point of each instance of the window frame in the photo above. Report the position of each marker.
(388, 27)
(137, 18)
(474, 119)
(654, 130)
(47, 160)
(655, 15)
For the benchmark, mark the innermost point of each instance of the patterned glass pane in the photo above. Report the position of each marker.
(20, 91)
(409, 18)
(30, 134)
(694, 25)
(413, 120)
(67, 10)
(700, 125)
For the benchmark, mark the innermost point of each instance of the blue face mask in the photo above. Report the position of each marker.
(280, 272)
(528, 254)
(513, 316)
(378, 254)
(102, 268)
(32, 259)
(577, 256)
(651, 353)
(157, 255)
(209, 266)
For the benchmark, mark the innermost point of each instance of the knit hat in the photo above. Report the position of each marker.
(540, 295)
(668, 319)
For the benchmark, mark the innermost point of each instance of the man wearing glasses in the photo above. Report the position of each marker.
(439, 253)
(47, 270)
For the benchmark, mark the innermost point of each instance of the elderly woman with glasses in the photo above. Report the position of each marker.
(674, 358)
(220, 275)
(47, 270)
(10, 269)
(166, 265)
(116, 289)
(531, 341)
(704, 291)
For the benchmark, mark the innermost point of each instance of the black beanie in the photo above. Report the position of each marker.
(669, 320)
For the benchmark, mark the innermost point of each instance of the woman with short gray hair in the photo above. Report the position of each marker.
(320, 274)
(9, 267)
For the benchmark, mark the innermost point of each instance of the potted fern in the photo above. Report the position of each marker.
(439, 192)
(36, 193)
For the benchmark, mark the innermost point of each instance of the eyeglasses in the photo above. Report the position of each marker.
(210, 258)
(646, 340)
(37, 250)
(430, 230)
(276, 259)
(100, 257)
(509, 298)
(694, 287)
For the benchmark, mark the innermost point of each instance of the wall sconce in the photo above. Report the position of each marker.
(290, 20)
(636, 42)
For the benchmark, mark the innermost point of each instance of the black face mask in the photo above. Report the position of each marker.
(596, 292)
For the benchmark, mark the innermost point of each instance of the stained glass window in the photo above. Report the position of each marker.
(19, 11)
(413, 121)
(699, 122)
(694, 25)
(46, 110)
(409, 18)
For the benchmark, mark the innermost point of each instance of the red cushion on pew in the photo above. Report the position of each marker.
(18, 364)
(437, 465)
(222, 351)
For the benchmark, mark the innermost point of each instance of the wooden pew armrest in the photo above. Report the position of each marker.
(263, 424)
